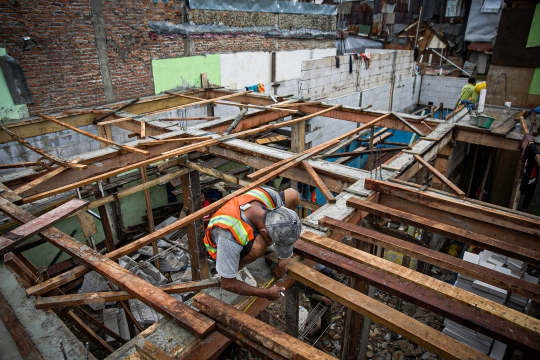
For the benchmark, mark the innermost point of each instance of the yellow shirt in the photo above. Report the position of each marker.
(468, 93)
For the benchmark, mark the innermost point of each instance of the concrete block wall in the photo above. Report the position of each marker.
(406, 92)
(320, 78)
(437, 89)
(322, 129)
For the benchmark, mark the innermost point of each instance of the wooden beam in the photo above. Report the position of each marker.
(441, 177)
(87, 331)
(191, 196)
(413, 330)
(436, 258)
(41, 152)
(514, 250)
(145, 292)
(467, 208)
(190, 118)
(256, 330)
(480, 137)
(236, 120)
(408, 124)
(18, 235)
(50, 302)
(150, 216)
(148, 239)
(43, 178)
(271, 139)
(482, 304)
(95, 137)
(363, 151)
(292, 315)
(464, 315)
(143, 144)
(320, 184)
(18, 165)
(150, 351)
(9, 194)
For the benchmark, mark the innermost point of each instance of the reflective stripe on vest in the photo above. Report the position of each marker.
(263, 197)
(239, 232)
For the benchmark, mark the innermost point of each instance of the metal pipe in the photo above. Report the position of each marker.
(466, 73)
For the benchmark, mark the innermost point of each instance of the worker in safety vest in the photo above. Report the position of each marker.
(242, 230)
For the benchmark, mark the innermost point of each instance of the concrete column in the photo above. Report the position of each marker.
(101, 46)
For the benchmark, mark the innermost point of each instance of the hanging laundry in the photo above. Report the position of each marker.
(530, 175)
(256, 88)
(350, 64)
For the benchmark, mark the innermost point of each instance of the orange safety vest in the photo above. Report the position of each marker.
(228, 218)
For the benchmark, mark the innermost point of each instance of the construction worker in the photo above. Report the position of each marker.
(468, 94)
(242, 230)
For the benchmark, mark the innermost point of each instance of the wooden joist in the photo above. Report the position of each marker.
(145, 292)
(87, 331)
(256, 330)
(143, 144)
(513, 250)
(95, 137)
(473, 210)
(320, 184)
(41, 152)
(408, 124)
(9, 194)
(271, 139)
(415, 331)
(50, 302)
(437, 258)
(460, 193)
(482, 304)
(467, 316)
(43, 178)
(150, 351)
(18, 235)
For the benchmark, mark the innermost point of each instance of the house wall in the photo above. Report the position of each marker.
(437, 89)
(62, 66)
(508, 83)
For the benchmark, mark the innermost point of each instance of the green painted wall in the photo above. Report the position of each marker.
(185, 72)
(535, 83)
(7, 106)
(534, 33)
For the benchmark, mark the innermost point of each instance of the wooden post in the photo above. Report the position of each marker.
(441, 164)
(298, 145)
(106, 224)
(292, 302)
(150, 216)
(191, 193)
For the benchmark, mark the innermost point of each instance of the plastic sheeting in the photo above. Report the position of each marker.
(355, 44)
(272, 6)
(168, 28)
(481, 27)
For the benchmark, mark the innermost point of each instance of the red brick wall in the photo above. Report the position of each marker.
(62, 70)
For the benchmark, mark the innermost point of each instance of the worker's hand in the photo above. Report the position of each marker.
(326, 301)
(273, 293)
(280, 269)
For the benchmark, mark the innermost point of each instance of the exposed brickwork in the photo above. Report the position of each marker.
(319, 22)
(62, 69)
(232, 18)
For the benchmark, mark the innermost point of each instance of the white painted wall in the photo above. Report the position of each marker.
(289, 63)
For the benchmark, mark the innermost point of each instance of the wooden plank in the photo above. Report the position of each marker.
(104, 131)
(150, 351)
(190, 118)
(43, 178)
(468, 237)
(256, 330)
(87, 331)
(143, 144)
(18, 165)
(50, 302)
(482, 304)
(467, 208)
(88, 225)
(9, 194)
(145, 292)
(485, 138)
(464, 315)
(95, 137)
(150, 216)
(41, 152)
(507, 125)
(244, 342)
(180, 223)
(18, 235)
(271, 139)
(437, 258)
(292, 315)
(413, 330)
(320, 184)
(408, 124)
(236, 120)
(440, 176)
(24, 343)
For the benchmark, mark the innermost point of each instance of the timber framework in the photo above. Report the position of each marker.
(404, 183)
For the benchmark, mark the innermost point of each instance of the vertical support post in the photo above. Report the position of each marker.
(191, 193)
(106, 224)
(371, 156)
(150, 216)
(298, 144)
(441, 164)
(104, 131)
(441, 107)
(292, 302)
